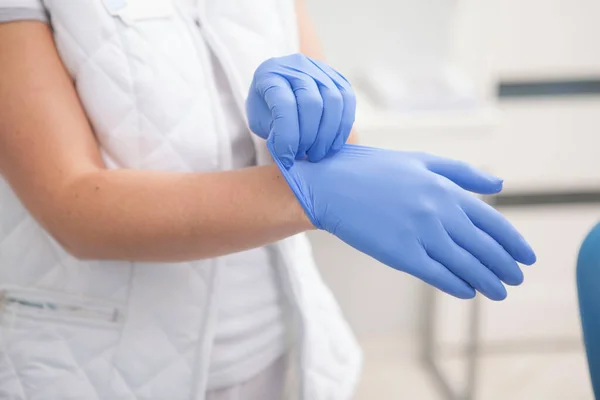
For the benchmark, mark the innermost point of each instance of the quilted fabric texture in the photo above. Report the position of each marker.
(121, 331)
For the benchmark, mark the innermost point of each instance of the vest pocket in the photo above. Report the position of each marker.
(51, 307)
(56, 346)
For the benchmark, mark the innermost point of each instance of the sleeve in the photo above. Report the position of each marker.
(20, 10)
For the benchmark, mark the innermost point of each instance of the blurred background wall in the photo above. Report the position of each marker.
(511, 86)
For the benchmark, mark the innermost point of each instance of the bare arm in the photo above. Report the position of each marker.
(49, 156)
(310, 45)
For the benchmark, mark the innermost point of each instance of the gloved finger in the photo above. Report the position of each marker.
(490, 221)
(310, 109)
(465, 175)
(333, 107)
(484, 248)
(335, 75)
(418, 263)
(348, 115)
(284, 131)
(256, 106)
(460, 262)
(349, 99)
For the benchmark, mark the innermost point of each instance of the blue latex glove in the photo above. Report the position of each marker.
(302, 107)
(412, 211)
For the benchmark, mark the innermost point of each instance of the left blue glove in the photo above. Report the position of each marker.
(302, 107)
(413, 212)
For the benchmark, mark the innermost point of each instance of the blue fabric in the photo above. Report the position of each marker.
(413, 212)
(303, 106)
(588, 285)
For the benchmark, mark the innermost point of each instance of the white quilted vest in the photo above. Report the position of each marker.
(81, 330)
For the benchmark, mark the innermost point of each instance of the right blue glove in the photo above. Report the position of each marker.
(302, 106)
(412, 211)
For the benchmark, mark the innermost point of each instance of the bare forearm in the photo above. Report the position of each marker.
(160, 216)
(50, 157)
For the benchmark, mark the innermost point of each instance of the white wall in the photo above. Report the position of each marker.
(528, 38)
(405, 33)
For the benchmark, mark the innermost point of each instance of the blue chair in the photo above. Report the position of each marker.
(588, 287)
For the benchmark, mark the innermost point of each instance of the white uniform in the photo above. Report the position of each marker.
(149, 76)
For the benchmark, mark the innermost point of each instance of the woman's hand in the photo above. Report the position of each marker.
(302, 106)
(413, 212)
